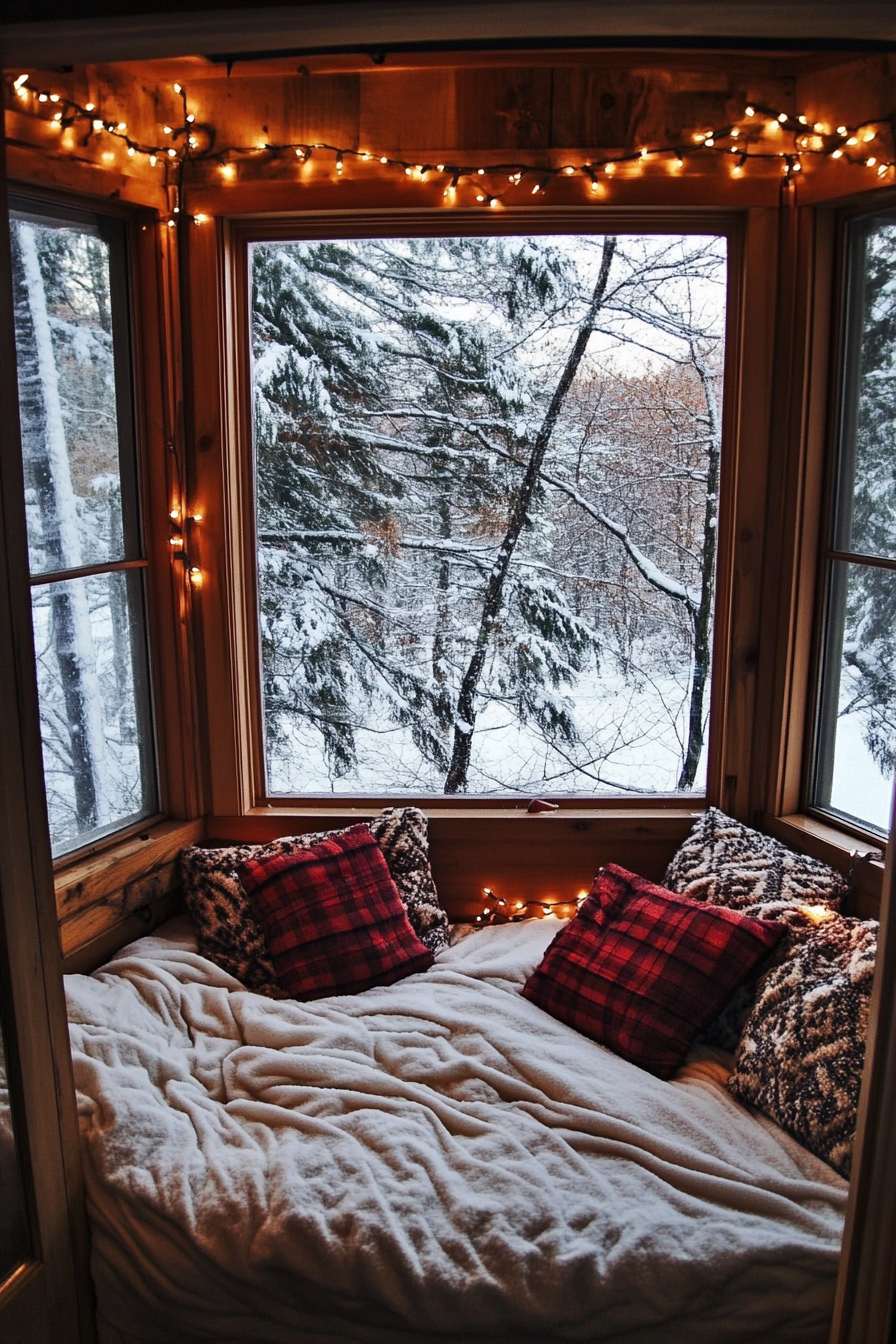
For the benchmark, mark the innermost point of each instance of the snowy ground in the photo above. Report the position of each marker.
(858, 788)
(632, 736)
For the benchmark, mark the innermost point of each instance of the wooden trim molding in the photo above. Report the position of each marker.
(96, 897)
(841, 850)
(41, 1079)
(549, 856)
(229, 615)
(864, 1307)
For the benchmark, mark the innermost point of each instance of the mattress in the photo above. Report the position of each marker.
(433, 1160)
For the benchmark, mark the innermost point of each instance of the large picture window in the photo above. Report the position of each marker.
(856, 737)
(86, 558)
(487, 487)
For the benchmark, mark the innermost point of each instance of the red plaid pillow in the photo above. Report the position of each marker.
(332, 917)
(642, 970)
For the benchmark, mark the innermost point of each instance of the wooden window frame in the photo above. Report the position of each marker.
(805, 443)
(833, 483)
(231, 635)
(99, 892)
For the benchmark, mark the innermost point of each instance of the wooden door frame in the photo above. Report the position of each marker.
(48, 1297)
(864, 1310)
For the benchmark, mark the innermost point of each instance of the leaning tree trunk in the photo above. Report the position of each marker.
(46, 454)
(465, 717)
(702, 616)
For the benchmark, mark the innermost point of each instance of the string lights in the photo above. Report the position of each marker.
(179, 523)
(763, 135)
(499, 910)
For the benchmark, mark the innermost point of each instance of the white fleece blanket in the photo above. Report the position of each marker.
(438, 1159)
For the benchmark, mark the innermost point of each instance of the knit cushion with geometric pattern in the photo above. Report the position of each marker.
(727, 863)
(802, 1051)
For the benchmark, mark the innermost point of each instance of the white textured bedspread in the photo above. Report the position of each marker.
(438, 1159)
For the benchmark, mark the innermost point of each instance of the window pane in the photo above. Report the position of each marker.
(67, 394)
(867, 524)
(487, 490)
(858, 720)
(91, 667)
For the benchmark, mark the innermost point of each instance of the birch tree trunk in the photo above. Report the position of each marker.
(465, 718)
(46, 453)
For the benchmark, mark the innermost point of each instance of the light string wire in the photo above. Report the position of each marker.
(193, 143)
(505, 910)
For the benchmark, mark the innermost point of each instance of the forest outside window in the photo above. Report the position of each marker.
(856, 736)
(487, 490)
(86, 561)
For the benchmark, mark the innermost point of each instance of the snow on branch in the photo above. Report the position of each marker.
(651, 572)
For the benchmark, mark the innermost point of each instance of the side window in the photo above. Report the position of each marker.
(487, 490)
(85, 549)
(855, 754)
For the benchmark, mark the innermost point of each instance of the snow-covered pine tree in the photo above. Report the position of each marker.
(391, 434)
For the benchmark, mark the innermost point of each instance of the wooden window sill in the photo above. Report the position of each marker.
(837, 848)
(105, 898)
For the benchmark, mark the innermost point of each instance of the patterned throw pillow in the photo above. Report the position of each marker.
(729, 864)
(227, 930)
(642, 970)
(726, 863)
(402, 833)
(332, 917)
(801, 1054)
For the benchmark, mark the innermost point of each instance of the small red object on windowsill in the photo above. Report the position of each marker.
(539, 805)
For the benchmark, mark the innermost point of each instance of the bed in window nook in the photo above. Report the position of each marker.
(317, 1110)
